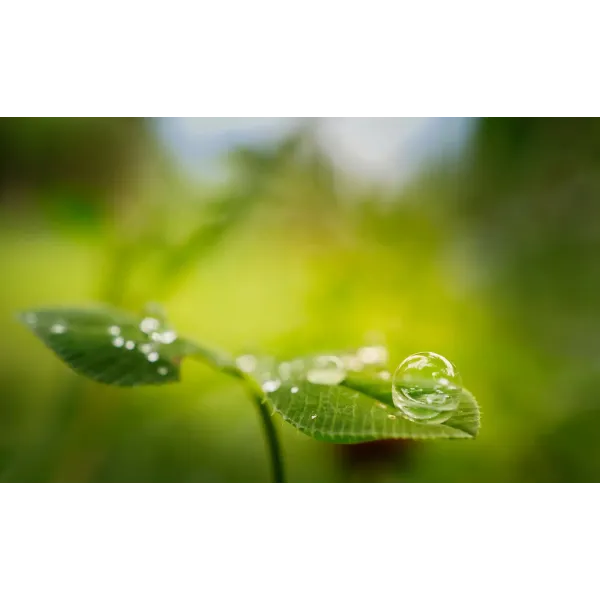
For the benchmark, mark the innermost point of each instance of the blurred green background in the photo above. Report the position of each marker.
(475, 238)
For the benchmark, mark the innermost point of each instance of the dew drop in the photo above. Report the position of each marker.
(426, 388)
(58, 328)
(271, 385)
(114, 330)
(118, 342)
(168, 337)
(325, 370)
(30, 318)
(246, 363)
(351, 362)
(392, 417)
(149, 324)
(285, 370)
(153, 357)
(130, 344)
(162, 370)
(373, 355)
(294, 389)
(313, 416)
(146, 348)
(385, 375)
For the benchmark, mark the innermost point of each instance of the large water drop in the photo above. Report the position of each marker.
(426, 388)
(325, 370)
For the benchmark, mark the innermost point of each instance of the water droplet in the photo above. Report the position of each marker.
(146, 348)
(153, 357)
(162, 370)
(114, 330)
(352, 363)
(58, 328)
(285, 370)
(130, 344)
(271, 385)
(325, 370)
(426, 388)
(118, 342)
(149, 324)
(392, 417)
(294, 389)
(385, 375)
(30, 318)
(168, 337)
(246, 363)
(313, 416)
(373, 355)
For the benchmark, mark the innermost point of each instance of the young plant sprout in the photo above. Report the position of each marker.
(345, 399)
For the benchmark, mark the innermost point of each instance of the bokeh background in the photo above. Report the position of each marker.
(475, 238)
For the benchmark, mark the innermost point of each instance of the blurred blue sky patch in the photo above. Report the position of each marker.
(386, 150)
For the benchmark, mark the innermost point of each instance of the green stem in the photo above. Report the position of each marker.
(224, 364)
(272, 440)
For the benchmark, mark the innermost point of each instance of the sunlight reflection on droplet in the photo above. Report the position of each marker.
(58, 328)
(118, 342)
(146, 348)
(385, 375)
(313, 416)
(162, 370)
(153, 356)
(130, 344)
(294, 389)
(149, 324)
(114, 330)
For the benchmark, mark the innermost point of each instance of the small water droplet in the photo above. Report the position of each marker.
(58, 328)
(285, 370)
(153, 357)
(382, 405)
(246, 363)
(294, 389)
(313, 416)
(426, 388)
(271, 385)
(385, 375)
(130, 344)
(391, 417)
(149, 324)
(351, 362)
(325, 370)
(168, 337)
(373, 355)
(146, 348)
(114, 330)
(162, 370)
(118, 342)
(30, 318)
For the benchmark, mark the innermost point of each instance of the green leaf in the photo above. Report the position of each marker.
(361, 410)
(111, 346)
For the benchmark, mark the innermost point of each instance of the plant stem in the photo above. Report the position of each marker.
(224, 364)
(272, 439)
